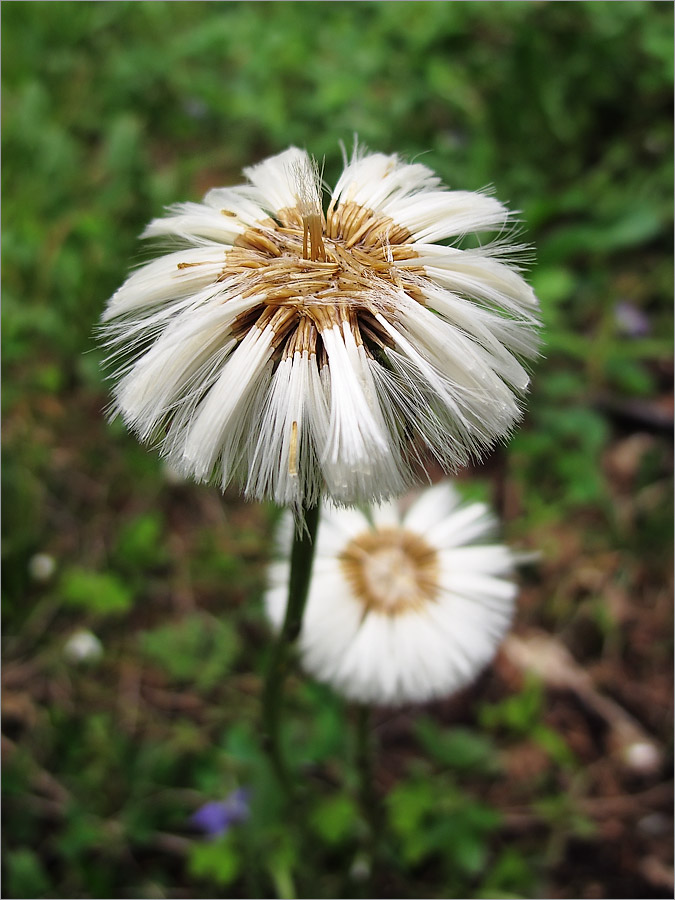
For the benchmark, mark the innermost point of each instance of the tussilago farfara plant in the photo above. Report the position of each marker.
(402, 608)
(308, 353)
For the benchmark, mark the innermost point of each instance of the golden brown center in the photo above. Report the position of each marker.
(326, 271)
(391, 570)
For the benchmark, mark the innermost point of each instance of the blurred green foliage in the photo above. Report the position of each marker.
(99, 592)
(111, 111)
(198, 650)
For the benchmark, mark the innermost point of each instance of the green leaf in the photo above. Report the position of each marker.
(470, 851)
(459, 748)
(335, 819)
(409, 803)
(81, 833)
(435, 817)
(563, 812)
(556, 747)
(327, 736)
(25, 875)
(553, 284)
(510, 876)
(217, 861)
(640, 225)
(630, 377)
(280, 860)
(139, 542)
(198, 649)
(520, 713)
(101, 593)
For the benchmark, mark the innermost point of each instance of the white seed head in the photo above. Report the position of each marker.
(305, 353)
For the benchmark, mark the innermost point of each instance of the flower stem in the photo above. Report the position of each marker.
(302, 556)
(371, 807)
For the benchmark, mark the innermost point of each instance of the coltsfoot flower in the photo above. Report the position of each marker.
(402, 609)
(307, 353)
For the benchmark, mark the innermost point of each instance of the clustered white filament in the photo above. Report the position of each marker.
(306, 353)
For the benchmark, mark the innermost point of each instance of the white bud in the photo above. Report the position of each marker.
(41, 567)
(642, 756)
(83, 646)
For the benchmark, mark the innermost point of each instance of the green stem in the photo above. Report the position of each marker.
(302, 556)
(371, 807)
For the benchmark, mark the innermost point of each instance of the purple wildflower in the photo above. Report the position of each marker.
(216, 817)
(631, 320)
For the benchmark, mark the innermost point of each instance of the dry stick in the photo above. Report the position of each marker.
(302, 557)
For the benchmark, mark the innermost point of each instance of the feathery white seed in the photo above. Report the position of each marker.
(306, 354)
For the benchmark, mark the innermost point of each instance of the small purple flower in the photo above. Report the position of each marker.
(631, 320)
(216, 817)
(195, 108)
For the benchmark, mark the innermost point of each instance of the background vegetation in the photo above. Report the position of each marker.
(551, 782)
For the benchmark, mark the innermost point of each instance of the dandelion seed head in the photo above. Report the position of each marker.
(304, 353)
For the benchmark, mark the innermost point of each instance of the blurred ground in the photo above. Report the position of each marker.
(552, 776)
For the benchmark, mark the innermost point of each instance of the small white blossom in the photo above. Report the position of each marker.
(41, 567)
(643, 756)
(305, 352)
(83, 646)
(402, 609)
